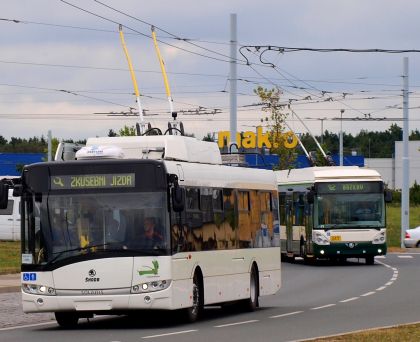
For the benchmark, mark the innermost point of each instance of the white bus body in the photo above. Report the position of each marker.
(10, 219)
(226, 250)
(332, 224)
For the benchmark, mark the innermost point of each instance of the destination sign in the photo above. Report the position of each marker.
(349, 187)
(98, 181)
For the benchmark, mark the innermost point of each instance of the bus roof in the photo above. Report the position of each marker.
(166, 147)
(326, 174)
(222, 176)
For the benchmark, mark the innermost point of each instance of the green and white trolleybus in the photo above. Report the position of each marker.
(84, 249)
(335, 212)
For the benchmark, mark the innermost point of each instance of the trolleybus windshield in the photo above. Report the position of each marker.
(349, 205)
(76, 224)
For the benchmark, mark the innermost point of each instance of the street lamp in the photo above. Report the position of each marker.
(341, 137)
(322, 126)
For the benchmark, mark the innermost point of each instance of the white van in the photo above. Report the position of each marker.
(10, 219)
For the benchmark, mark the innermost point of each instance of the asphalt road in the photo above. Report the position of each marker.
(314, 301)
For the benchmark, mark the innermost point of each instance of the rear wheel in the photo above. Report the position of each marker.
(251, 303)
(418, 244)
(67, 319)
(193, 313)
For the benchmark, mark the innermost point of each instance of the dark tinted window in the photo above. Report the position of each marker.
(9, 209)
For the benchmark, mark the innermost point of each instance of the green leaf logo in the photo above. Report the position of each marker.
(150, 270)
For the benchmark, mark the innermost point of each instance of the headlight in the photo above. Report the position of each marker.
(320, 238)
(156, 285)
(379, 238)
(38, 289)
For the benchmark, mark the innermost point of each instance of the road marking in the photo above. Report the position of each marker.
(348, 300)
(323, 307)
(367, 294)
(286, 314)
(380, 257)
(237, 323)
(169, 334)
(27, 326)
(381, 288)
(389, 283)
(405, 256)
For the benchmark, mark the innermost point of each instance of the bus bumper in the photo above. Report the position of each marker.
(169, 299)
(349, 250)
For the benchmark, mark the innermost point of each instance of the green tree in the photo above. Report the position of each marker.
(127, 131)
(209, 137)
(415, 194)
(275, 120)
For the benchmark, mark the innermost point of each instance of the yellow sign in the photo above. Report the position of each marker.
(251, 139)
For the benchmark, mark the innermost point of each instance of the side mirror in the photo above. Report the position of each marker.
(4, 195)
(178, 198)
(388, 196)
(310, 196)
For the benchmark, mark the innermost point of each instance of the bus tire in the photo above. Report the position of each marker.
(67, 319)
(194, 312)
(251, 303)
(370, 260)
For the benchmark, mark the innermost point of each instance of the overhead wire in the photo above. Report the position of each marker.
(165, 31)
(144, 34)
(263, 77)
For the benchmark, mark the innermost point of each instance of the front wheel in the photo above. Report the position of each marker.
(66, 319)
(302, 250)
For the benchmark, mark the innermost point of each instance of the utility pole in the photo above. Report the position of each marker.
(341, 137)
(233, 79)
(405, 193)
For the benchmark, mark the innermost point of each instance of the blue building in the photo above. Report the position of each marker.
(9, 162)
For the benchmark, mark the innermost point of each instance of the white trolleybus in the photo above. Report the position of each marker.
(334, 212)
(88, 246)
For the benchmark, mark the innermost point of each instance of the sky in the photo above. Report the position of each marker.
(63, 69)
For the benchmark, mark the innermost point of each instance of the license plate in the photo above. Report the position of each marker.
(335, 238)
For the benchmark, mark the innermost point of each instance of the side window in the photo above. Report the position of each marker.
(193, 215)
(217, 200)
(192, 199)
(282, 208)
(243, 201)
(206, 204)
(298, 208)
(265, 201)
(9, 209)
